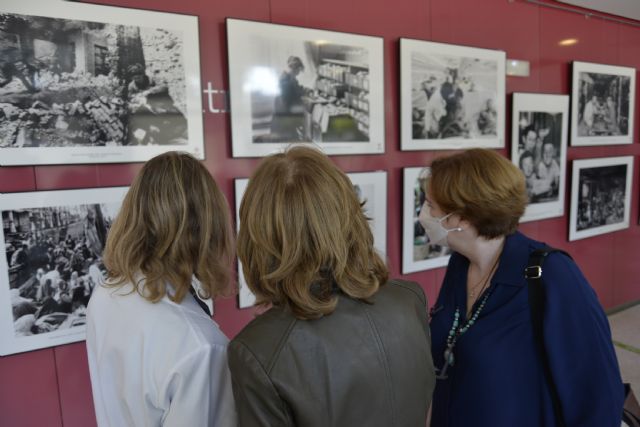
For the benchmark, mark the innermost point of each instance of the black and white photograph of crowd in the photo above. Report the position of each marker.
(539, 154)
(603, 104)
(453, 97)
(54, 256)
(601, 196)
(73, 83)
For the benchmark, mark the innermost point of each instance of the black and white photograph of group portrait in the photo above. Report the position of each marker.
(71, 83)
(54, 255)
(300, 86)
(539, 150)
(604, 104)
(601, 196)
(454, 96)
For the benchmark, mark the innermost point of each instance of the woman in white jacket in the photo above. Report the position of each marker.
(155, 355)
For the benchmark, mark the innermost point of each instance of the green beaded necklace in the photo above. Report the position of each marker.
(455, 332)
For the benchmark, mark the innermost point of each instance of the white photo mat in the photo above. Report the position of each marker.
(340, 91)
(547, 118)
(28, 218)
(600, 196)
(371, 188)
(100, 125)
(417, 253)
(451, 96)
(609, 118)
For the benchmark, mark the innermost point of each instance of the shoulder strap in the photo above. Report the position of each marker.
(533, 274)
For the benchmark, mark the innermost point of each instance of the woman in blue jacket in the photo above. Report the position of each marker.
(490, 373)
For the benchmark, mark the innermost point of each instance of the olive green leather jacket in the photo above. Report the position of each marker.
(363, 365)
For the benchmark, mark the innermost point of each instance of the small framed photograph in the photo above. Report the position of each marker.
(371, 188)
(451, 96)
(417, 252)
(51, 260)
(602, 104)
(85, 83)
(600, 196)
(296, 85)
(539, 149)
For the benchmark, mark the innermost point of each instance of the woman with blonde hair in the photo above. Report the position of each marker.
(155, 355)
(339, 345)
(511, 351)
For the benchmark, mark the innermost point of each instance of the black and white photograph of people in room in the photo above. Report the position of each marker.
(603, 105)
(309, 91)
(453, 97)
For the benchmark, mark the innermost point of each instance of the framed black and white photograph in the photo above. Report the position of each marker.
(292, 84)
(84, 83)
(371, 188)
(600, 196)
(451, 96)
(52, 244)
(602, 104)
(539, 148)
(417, 252)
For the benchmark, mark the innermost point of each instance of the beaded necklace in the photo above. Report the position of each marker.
(455, 332)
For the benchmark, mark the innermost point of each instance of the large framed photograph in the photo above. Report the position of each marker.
(539, 149)
(51, 243)
(602, 104)
(291, 84)
(83, 83)
(371, 188)
(600, 196)
(417, 252)
(451, 96)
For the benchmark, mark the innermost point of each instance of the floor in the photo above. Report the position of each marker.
(625, 328)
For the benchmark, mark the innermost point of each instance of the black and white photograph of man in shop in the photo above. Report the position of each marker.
(70, 83)
(453, 97)
(603, 105)
(54, 257)
(309, 91)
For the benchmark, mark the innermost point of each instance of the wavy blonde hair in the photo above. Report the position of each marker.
(173, 224)
(482, 187)
(303, 235)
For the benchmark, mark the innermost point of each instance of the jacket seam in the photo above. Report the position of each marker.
(267, 375)
(384, 363)
(278, 349)
(422, 297)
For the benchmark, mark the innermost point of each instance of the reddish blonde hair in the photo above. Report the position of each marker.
(482, 187)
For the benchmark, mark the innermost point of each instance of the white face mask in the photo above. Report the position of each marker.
(436, 232)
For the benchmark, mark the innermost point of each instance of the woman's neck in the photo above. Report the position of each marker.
(483, 253)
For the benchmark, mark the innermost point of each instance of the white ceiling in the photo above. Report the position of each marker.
(625, 8)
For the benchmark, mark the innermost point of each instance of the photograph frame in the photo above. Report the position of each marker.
(120, 128)
(374, 183)
(537, 104)
(576, 189)
(341, 99)
(10, 342)
(408, 49)
(409, 220)
(579, 95)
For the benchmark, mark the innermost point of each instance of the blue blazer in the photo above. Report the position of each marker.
(497, 379)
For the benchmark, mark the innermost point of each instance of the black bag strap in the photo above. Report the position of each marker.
(533, 274)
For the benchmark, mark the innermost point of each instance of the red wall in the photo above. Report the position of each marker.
(51, 387)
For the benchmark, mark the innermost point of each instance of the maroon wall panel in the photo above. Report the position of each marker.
(51, 387)
(29, 390)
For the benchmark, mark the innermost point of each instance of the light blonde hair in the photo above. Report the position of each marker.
(173, 224)
(482, 187)
(303, 235)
